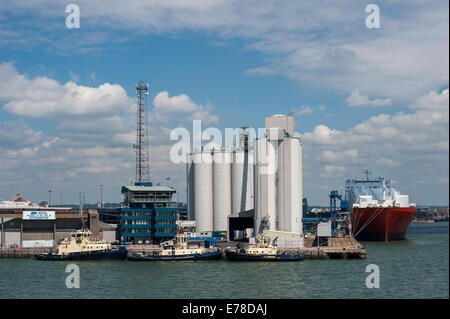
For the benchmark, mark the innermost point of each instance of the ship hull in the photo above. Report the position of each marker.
(103, 255)
(242, 256)
(210, 255)
(381, 223)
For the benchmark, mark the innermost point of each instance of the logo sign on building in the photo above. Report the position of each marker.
(39, 215)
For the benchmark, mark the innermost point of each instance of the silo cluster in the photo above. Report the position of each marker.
(224, 182)
(220, 182)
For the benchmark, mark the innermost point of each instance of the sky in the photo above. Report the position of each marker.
(363, 98)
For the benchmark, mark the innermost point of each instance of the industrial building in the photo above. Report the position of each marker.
(24, 224)
(149, 215)
(238, 189)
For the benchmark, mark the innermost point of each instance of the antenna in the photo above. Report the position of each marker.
(244, 137)
(101, 195)
(82, 198)
(367, 173)
(141, 146)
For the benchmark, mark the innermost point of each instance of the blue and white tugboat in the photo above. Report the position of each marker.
(261, 251)
(180, 248)
(80, 246)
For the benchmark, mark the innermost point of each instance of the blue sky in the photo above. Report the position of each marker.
(362, 98)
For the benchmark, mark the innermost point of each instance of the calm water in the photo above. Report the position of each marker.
(415, 268)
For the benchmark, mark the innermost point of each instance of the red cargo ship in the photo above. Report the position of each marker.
(381, 223)
(378, 212)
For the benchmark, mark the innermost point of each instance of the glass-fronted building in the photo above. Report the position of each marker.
(149, 215)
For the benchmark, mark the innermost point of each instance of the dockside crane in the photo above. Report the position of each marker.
(334, 196)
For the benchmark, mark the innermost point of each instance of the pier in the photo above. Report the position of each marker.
(337, 248)
(22, 252)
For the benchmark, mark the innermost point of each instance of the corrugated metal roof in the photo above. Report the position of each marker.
(148, 188)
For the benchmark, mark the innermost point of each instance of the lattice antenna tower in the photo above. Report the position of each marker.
(244, 137)
(141, 146)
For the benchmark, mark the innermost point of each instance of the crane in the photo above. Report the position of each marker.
(334, 195)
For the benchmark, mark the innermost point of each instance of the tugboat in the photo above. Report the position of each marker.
(181, 248)
(261, 251)
(80, 246)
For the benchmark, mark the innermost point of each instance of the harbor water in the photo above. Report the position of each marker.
(414, 268)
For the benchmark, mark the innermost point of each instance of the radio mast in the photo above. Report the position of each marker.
(141, 146)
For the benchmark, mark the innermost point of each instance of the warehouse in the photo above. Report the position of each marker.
(24, 224)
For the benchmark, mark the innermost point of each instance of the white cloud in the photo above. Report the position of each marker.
(320, 44)
(44, 97)
(406, 146)
(347, 156)
(94, 138)
(322, 135)
(17, 135)
(432, 101)
(74, 77)
(387, 162)
(178, 104)
(183, 104)
(356, 99)
(422, 130)
(303, 110)
(334, 171)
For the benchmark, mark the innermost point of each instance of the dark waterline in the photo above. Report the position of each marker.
(415, 268)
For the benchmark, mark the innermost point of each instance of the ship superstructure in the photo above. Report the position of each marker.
(18, 201)
(374, 193)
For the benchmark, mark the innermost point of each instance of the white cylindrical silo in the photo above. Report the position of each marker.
(289, 187)
(221, 189)
(265, 189)
(296, 204)
(280, 185)
(272, 183)
(242, 192)
(190, 186)
(203, 191)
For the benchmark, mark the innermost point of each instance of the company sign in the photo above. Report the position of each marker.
(39, 215)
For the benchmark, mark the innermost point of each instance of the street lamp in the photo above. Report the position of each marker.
(101, 195)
